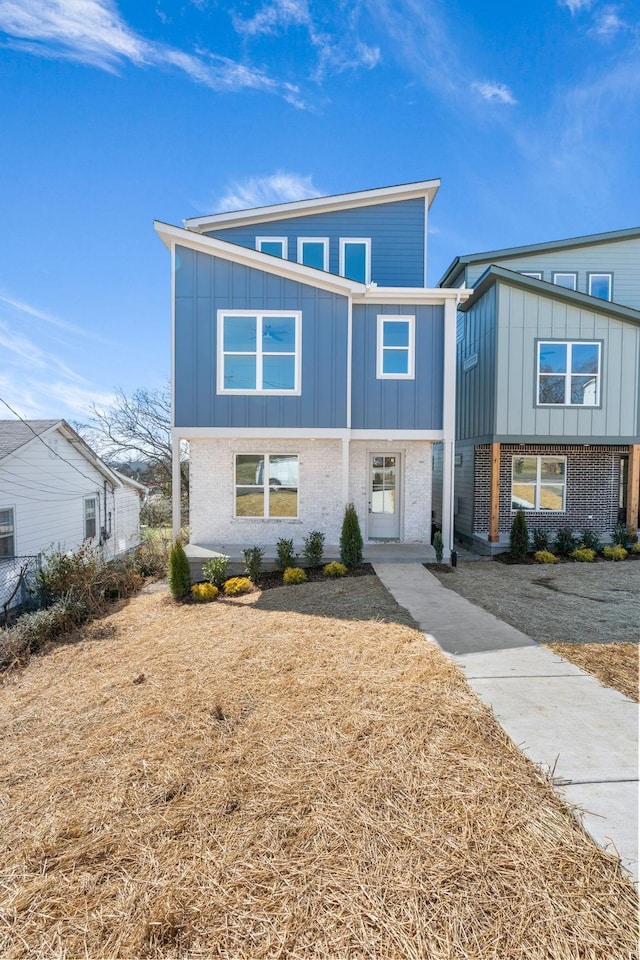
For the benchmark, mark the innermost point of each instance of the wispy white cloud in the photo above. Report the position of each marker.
(607, 23)
(17, 307)
(576, 6)
(280, 187)
(279, 14)
(494, 92)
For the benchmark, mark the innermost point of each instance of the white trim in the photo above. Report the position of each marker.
(361, 198)
(379, 435)
(96, 516)
(176, 515)
(283, 241)
(176, 512)
(565, 273)
(366, 242)
(259, 353)
(449, 426)
(325, 250)
(14, 539)
(590, 277)
(411, 295)
(568, 374)
(425, 241)
(410, 349)
(265, 486)
(537, 487)
(536, 274)
(264, 434)
(349, 397)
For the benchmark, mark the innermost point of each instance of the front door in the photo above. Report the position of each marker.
(384, 499)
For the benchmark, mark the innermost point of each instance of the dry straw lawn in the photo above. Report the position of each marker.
(613, 664)
(297, 776)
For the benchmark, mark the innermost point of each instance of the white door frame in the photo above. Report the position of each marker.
(397, 533)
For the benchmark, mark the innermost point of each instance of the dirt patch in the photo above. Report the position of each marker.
(614, 664)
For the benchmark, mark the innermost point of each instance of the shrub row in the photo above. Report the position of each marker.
(582, 547)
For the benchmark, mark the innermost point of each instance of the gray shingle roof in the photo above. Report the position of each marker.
(15, 433)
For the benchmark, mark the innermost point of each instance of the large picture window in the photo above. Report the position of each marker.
(568, 373)
(396, 348)
(266, 485)
(538, 483)
(259, 352)
(7, 533)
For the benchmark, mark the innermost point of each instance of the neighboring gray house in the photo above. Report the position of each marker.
(548, 387)
(56, 493)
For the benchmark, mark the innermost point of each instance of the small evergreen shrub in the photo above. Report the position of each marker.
(236, 586)
(285, 553)
(438, 546)
(635, 548)
(179, 575)
(584, 555)
(590, 540)
(313, 549)
(540, 539)
(519, 536)
(294, 575)
(545, 556)
(215, 570)
(351, 538)
(204, 592)
(335, 569)
(253, 562)
(616, 552)
(623, 536)
(566, 543)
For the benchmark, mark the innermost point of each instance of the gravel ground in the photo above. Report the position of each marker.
(571, 602)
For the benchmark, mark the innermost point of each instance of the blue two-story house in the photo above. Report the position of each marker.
(312, 367)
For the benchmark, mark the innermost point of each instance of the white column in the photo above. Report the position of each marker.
(175, 485)
(448, 423)
(345, 471)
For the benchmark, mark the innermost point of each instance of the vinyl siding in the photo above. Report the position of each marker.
(475, 402)
(397, 232)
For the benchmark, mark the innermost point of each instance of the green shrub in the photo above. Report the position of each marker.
(519, 536)
(438, 546)
(616, 552)
(215, 570)
(351, 538)
(545, 556)
(204, 592)
(285, 554)
(590, 540)
(584, 555)
(635, 548)
(294, 575)
(540, 539)
(253, 562)
(335, 569)
(566, 543)
(313, 549)
(237, 585)
(179, 575)
(623, 536)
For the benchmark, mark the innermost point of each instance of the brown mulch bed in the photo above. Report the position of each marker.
(615, 665)
(298, 775)
(273, 578)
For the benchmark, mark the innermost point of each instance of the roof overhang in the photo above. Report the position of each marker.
(281, 211)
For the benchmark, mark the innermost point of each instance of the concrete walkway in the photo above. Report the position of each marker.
(563, 719)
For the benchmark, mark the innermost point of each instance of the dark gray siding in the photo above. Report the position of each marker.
(396, 230)
(398, 404)
(464, 491)
(475, 401)
(205, 284)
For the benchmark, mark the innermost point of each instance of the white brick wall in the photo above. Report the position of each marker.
(320, 497)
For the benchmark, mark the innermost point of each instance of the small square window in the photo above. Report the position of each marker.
(355, 258)
(266, 485)
(568, 373)
(600, 285)
(568, 280)
(274, 246)
(396, 348)
(538, 483)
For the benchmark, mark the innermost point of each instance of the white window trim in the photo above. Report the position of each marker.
(536, 274)
(12, 511)
(264, 487)
(568, 375)
(282, 240)
(367, 242)
(95, 499)
(325, 249)
(539, 458)
(410, 349)
(566, 273)
(609, 277)
(260, 315)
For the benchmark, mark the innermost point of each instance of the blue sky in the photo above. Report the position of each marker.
(114, 113)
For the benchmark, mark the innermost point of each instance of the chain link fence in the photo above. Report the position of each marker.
(18, 585)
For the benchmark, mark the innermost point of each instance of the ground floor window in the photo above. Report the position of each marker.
(538, 483)
(90, 517)
(266, 485)
(7, 530)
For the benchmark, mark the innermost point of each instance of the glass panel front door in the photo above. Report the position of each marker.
(384, 513)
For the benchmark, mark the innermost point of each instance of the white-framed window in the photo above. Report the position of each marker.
(396, 348)
(266, 485)
(538, 483)
(568, 280)
(569, 373)
(90, 517)
(275, 246)
(601, 285)
(259, 352)
(314, 252)
(355, 258)
(531, 273)
(7, 532)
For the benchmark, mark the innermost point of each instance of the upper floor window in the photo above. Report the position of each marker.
(396, 348)
(569, 373)
(355, 258)
(600, 285)
(568, 280)
(259, 352)
(314, 252)
(90, 517)
(276, 246)
(538, 483)
(266, 485)
(7, 533)
(531, 273)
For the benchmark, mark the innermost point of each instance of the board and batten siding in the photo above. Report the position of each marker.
(398, 404)
(476, 369)
(525, 317)
(205, 284)
(620, 257)
(396, 229)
